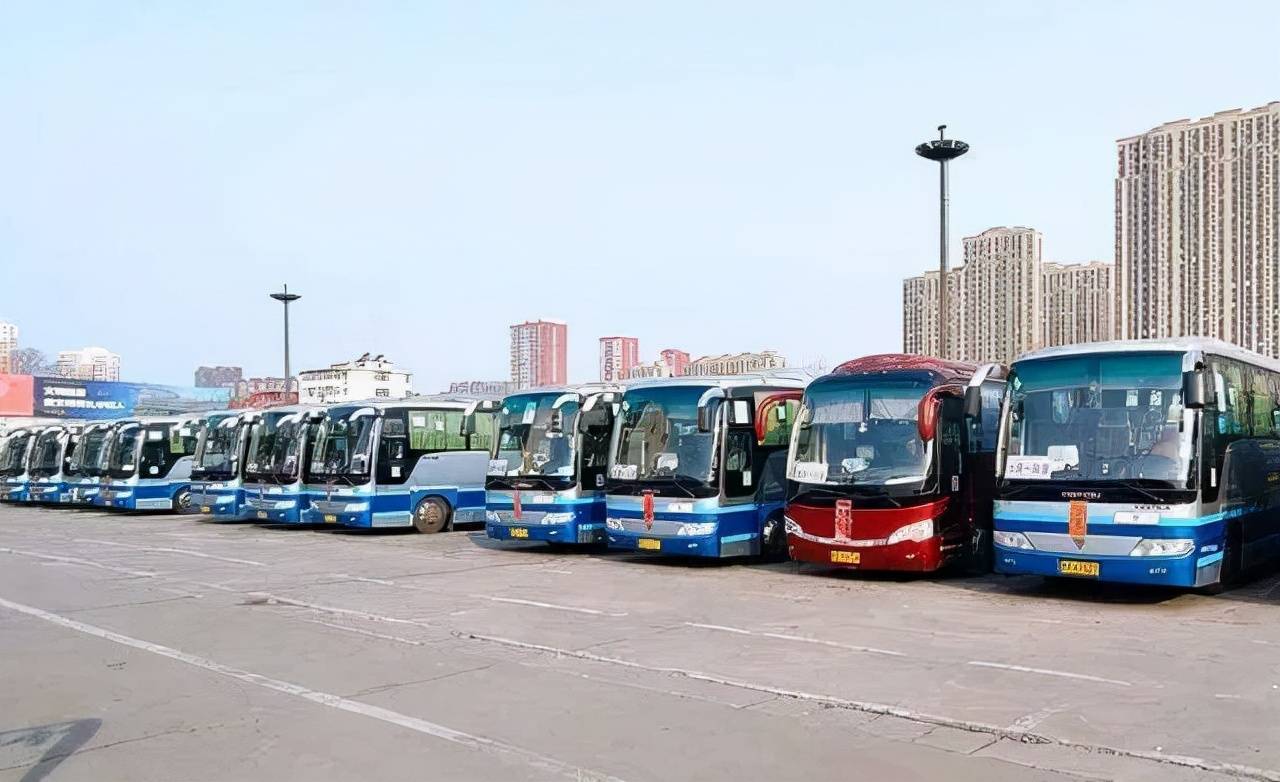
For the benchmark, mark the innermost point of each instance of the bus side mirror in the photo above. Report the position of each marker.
(927, 416)
(973, 402)
(1195, 393)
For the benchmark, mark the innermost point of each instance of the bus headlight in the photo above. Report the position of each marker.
(1163, 547)
(1011, 540)
(918, 532)
(793, 528)
(696, 528)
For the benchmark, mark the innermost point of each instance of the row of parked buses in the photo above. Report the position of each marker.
(1147, 461)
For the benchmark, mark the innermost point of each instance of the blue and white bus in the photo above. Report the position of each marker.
(148, 465)
(217, 469)
(15, 480)
(88, 463)
(698, 465)
(280, 443)
(418, 462)
(1151, 461)
(549, 465)
(49, 463)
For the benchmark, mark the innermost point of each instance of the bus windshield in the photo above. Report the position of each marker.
(659, 437)
(344, 444)
(84, 458)
(216, 450)
(47, 453)
(15, 456)
(122, 462)
(533, 438)
(855, 430)
(1098, 418)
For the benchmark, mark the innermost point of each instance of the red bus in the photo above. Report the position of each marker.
(892, 462)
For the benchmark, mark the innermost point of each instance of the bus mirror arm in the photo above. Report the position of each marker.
(1195, 392)
(973, 402)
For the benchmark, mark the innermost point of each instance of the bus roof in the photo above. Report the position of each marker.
(783, 378)
(907, 362)
(1202, 345)
(569, 388)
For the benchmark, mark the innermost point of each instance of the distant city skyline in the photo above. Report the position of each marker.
(427, 174)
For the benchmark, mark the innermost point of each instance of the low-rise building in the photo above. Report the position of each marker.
(362, 378)
(218, 377)
(89, 364)
(736, 363)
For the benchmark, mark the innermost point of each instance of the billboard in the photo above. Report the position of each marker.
(60, 397)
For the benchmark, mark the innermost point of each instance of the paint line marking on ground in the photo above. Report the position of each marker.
(269, 599)
(870, 707)
(79, 561)
(552, 606)
(1048, 672)
(330, 700)
(796, 638)
(369, 633)
(165, 549)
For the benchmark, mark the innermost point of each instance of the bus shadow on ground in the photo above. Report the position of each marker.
(54, 743)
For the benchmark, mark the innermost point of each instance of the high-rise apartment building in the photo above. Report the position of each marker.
(1197, 229)
(89, 364)
(539, 353)
(618, 356)
(1006, 300)
(1079, 302)
(8, 344)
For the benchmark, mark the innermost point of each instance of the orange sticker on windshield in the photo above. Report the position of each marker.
(1078, 521)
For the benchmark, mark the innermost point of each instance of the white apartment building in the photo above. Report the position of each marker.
(736, 363)
(89, 364)
(8, 344)
(363, 378)
(1079, 302)
(1197, 227)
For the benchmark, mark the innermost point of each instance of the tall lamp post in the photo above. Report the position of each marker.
(286, 297)
(943, 150)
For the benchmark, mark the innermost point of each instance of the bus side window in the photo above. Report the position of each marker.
(393, 448)
(737, 463)
(480, 431)
(992, 399)
(777, 427)
(155, 453)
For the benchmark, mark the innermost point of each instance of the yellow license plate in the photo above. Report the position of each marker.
(262, 514)
(1077, 567)
(846, 557)
(519, 532)
(330, 519)
(206, 509)
(650, 544)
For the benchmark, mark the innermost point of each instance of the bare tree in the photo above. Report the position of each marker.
(30, 361)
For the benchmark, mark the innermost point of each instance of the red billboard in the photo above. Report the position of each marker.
(17, 394)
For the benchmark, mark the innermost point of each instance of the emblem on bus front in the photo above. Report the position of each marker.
(516, 512)
(844, 519)
(647, 508)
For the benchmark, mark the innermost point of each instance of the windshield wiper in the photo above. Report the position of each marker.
(697, 484)
(859, 489)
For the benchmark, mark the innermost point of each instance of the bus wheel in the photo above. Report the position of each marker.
(981, 557)
(182, 501)
(774, 540)
(431, 515)
(1229, 573)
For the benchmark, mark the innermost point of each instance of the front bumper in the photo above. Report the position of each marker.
(923, 556)
(13, 492)
(345, 512)
(47, 493)
(1188, 570)
(217, 505)
(276, 508)
(547, 524)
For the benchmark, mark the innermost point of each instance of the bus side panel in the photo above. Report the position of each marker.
(456, 476)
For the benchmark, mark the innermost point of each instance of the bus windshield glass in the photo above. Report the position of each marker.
(659, 438)
(860, 431)
(277, 453)
(15, 456)
(216, 450)
(85, 456)
(535, 438)
(47, 453)
(1110, 417)
(344, 444)
(122, 462)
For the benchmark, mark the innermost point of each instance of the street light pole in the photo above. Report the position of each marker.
(942, 150)
(286, 297)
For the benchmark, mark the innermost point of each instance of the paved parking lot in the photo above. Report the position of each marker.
(162, 647)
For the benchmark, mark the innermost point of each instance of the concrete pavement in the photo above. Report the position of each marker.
(166, 647)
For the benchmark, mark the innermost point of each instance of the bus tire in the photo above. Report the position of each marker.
(981, 556)
(1229, 574)
(431, 515)
(773, 541)
(182, 501)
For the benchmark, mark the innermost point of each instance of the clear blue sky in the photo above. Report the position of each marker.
(711, 176)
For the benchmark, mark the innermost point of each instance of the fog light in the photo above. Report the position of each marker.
(1012, 540)
(918, 532)
(1163, 547)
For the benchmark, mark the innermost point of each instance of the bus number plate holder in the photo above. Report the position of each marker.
(846, 557)
(329, 518)
(649, 544)
(1079, 567)
(519, 532)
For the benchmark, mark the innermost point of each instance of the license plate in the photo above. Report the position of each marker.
(262, 514)
(1078, 567)
(206, 509)
(329, 518)
(519, 532)
(649, 544)
(846, 557)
